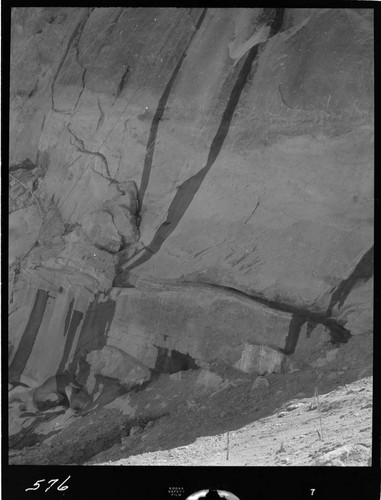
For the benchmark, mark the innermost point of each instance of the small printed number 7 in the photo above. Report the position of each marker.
(312, 491)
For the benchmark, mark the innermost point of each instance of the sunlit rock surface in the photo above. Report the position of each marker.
(186, 182)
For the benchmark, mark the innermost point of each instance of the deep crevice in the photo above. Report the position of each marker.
(171, 361)
(122, 82)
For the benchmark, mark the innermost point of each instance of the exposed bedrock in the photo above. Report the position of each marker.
(187, 185)
(130, 335)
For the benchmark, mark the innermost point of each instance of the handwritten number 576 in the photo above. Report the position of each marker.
(61, 487)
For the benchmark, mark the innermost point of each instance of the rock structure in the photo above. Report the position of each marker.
(187, 186)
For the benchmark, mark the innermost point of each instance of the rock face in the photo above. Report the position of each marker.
(115, 363)
(113, 226)
(185, 183)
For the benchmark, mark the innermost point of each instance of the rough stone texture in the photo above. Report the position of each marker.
(100, 229)
(113, 363)
(23, 184)
(24, 228)
(260, 359)
(17, 422)
(68, 261)
(113, 225)
(211, 147)
(192, 321)
(166, 330)
(344, 455)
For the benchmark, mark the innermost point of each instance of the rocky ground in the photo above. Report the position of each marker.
(311, 416)
(335, 432)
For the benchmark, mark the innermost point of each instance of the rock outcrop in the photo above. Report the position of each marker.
(185, 183)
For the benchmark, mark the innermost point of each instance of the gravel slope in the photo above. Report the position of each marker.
(337, 431)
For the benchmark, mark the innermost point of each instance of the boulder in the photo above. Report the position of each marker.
(197, 323)
(260, 359)
(116, 364)
(112, 225)
(347, 455)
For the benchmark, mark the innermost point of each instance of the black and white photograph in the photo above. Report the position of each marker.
(190, 246)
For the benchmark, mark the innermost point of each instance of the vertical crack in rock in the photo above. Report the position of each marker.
(76, 34)
(122, 82)
(29, 336)
(158, 116)
(362, 272)
(15, 273)
(83, 88)
(102, 116)
(188, 189)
